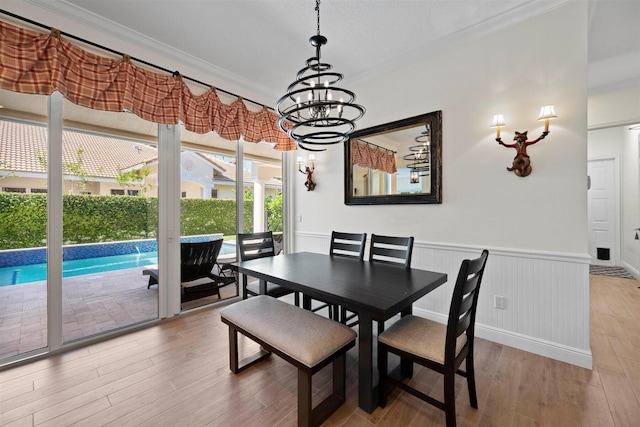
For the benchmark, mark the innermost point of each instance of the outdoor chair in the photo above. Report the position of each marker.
(441, 348)
(197, 262)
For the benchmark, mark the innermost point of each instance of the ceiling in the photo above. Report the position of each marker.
(258, 45)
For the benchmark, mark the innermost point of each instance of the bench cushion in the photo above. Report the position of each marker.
(300, 334)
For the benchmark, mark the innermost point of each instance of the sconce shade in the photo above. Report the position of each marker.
(547, 112)
(498, 121)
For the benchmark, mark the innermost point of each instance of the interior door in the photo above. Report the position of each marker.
(604, 246)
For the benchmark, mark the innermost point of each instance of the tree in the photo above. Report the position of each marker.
(273, 206)
(134, 178)
(5, 167)
(71, 168)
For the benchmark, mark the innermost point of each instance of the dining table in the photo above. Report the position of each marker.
(375, 291)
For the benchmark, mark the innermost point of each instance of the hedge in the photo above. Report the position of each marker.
(96, 218)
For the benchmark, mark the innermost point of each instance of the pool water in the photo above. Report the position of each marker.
(38, 272)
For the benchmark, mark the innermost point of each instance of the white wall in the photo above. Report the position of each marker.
(614, 108)
(535, 226)
(622, 143)
(514, 71)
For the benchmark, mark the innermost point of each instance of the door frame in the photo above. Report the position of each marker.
(617, 211)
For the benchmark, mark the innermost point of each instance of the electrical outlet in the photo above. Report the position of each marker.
(499, 301)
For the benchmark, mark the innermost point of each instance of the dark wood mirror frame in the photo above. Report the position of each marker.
(434, 196)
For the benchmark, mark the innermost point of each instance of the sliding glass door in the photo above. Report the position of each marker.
(93, 210)
(110, 221)
(23, 224)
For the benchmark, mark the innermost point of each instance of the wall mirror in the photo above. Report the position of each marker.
(397, 162)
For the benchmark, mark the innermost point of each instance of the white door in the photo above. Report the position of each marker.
(604, 235)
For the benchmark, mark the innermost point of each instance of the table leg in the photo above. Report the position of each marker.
(306, 302)
(406, 367)
(367, 395)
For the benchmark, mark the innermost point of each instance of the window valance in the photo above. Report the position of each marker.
(373, 157)
(38, 63)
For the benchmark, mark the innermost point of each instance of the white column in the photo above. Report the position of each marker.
(239, 187)
(258, 206)
(54, 221)
(169, 220)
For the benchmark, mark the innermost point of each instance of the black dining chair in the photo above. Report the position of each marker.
(347, 245)
(439, 347)
(389, 250)
(254, 246)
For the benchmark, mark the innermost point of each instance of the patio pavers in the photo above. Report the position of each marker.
(92, 304)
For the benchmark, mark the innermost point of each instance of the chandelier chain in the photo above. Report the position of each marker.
(318, 14)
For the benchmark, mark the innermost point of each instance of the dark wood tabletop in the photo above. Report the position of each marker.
(376, 291)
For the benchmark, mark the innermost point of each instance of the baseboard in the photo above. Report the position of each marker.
(574, 356)
(634, 272)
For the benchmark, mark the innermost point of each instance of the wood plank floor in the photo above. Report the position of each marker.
(176, 374)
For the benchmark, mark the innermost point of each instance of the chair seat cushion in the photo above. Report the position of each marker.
(301, 334)
(272, 289)
(420, 336)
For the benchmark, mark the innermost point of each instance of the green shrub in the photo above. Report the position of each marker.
(97, 218)
(23, 220)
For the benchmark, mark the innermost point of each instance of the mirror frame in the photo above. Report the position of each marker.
(435, 196)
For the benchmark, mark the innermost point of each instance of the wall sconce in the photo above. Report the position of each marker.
(521, 163)
(309, 167)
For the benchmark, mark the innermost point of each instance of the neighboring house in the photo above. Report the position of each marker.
(92, 163)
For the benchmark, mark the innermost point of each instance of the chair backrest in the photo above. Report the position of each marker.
(349, 245)
(255, 245)
(462, 313)
(391, 250)
(198, 259)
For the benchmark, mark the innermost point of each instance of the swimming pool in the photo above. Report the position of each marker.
(37, 272)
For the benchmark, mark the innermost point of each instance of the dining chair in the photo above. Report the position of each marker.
(254, 246)
(347, 245)
(439, 347)
(389, 250)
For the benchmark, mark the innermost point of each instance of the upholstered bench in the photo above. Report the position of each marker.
(304, 339)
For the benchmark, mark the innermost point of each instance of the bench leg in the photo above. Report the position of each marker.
(233, 350)
(308, 416)
(304, 399)
(339, 377)
(236, 365)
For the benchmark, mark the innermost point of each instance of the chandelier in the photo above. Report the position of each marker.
(315, 112)
(419, 156)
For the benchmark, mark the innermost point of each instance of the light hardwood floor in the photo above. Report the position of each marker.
(177, 374)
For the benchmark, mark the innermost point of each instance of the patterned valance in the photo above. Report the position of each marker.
(37, 63)
(373, 157)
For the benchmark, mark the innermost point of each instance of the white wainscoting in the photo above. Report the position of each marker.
(546, 295)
